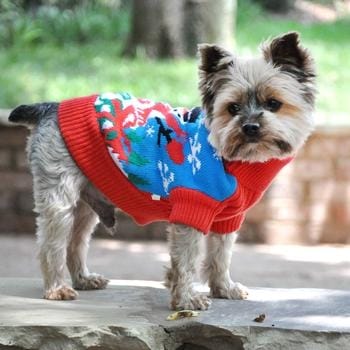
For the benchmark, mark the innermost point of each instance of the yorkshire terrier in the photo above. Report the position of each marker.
(198, 169)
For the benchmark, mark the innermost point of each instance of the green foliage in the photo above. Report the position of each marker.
(50, 73)
(52, 24)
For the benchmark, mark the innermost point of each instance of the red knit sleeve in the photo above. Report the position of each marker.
(192, 208)
(228, 226)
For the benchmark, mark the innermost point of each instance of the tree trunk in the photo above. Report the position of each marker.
(208, 21)
(279, 6)
(156, 29)
(174, 28)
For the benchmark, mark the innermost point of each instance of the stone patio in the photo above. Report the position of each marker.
(285, 266)
(131, 315)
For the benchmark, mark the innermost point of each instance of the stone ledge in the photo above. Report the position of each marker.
(4, 114)
(132, 315)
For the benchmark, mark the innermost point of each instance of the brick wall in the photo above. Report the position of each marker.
(309, 202)
(16, 199)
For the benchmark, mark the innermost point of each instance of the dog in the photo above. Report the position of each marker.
(92, 154)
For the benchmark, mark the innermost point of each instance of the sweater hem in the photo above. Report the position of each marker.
(193, 209)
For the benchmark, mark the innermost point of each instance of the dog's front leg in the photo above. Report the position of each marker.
(184, 250)
(216, 268)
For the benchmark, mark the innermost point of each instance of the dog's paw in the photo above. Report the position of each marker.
(61, 293)
(191, 302)
(234, 291)
(92, 281)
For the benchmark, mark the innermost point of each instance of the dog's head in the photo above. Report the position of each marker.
(258, 108)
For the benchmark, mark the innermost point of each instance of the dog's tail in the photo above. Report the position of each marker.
(30, 115)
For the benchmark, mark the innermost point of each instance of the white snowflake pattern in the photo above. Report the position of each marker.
(167, 176)
(106, 108)
(216, 155)
(150, 131)
(115, 157)
(193, 156)
(130, 119)
(109, 95)
(107, 124)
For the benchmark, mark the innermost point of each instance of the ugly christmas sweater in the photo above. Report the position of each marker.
(154, 162)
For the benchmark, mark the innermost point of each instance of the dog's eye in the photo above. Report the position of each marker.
(273, 105)
(233, 108)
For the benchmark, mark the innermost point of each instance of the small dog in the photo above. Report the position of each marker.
(199, 169)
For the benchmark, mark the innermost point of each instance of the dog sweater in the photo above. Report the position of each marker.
(155, 163)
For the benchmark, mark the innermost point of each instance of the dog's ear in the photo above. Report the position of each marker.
(214, 64)
(286, 52)
(213, 58)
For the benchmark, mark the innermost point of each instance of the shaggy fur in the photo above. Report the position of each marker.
(256, 109)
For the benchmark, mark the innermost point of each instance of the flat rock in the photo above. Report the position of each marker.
(132, 315)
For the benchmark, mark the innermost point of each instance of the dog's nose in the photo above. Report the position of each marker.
(251, 129)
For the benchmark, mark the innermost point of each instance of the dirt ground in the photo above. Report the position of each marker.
(253, 265)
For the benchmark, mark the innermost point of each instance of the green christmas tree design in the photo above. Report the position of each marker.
(137, 180)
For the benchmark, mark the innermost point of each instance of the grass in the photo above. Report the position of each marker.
(52, 70)
(48, 73)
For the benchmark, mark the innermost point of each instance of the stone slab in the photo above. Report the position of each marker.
(132, 315)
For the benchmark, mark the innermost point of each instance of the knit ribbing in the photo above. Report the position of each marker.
(228, 226)
(192, 208)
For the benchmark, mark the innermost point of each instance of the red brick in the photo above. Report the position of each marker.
(5, 158)
(24, 202)
(277, 232)
(21, 160)
(15, 180)
(342, 169)
(325, 147)
(258, 212)
(290, 189)
(7, 200)
(12, 223)
(321, 190)
(313, 169)
(13, 136)
(283, 209)
(343, 149)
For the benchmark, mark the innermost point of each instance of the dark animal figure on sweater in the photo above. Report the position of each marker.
(199, 169)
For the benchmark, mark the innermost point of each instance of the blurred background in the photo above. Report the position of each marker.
(51, 50)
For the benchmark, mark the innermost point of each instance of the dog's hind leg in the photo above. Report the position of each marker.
(216, 268)
(85, 220)
(57, 185)
(184, 252)
(55, 205)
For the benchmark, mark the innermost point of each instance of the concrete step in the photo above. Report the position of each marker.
(132, 315)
